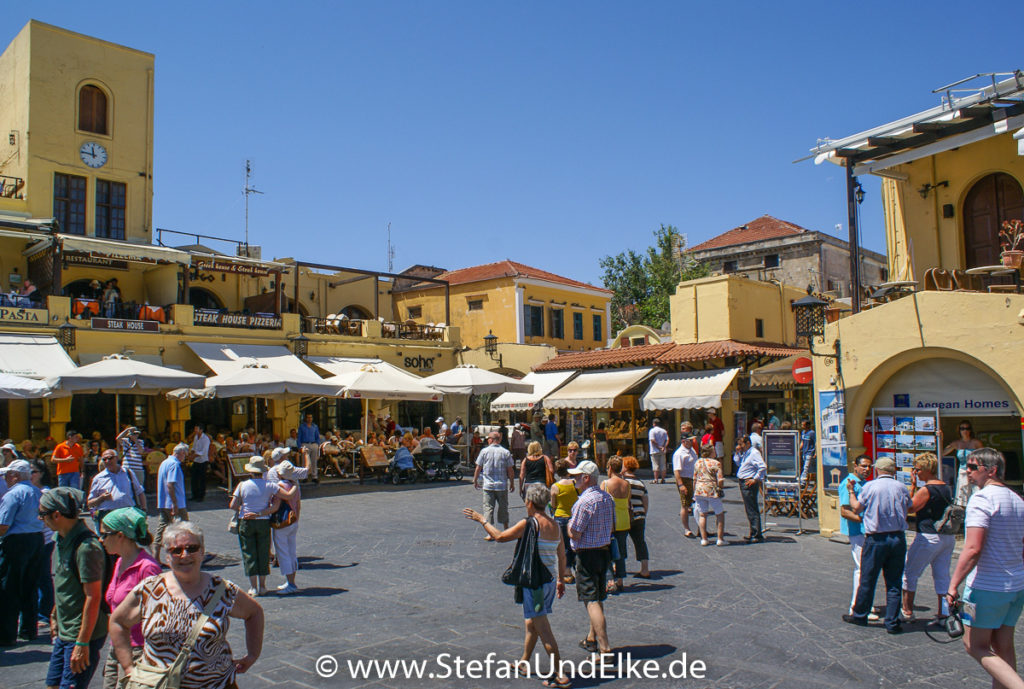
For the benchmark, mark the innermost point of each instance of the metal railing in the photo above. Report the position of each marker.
(10, 187)
(333, 326)
(412, 331)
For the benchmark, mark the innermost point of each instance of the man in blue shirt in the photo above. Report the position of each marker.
(882, 505)
(551, 439)
(309, 439)
(850, 521)
(21, 554)
(807, 448)
(751, 473)
(170, 494)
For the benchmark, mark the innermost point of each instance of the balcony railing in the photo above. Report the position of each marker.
(334, 326)
(413, 331)
(10, 187)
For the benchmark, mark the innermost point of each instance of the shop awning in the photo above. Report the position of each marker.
(955, 388)
(596, 389)
(543, 385)
(688, 390)
(123, 251)
(340, 365)
(33, 356)
(155, 359)
(777, 374)
(228, 358)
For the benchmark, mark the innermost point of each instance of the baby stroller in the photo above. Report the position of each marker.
(401, 468)
(449, 460)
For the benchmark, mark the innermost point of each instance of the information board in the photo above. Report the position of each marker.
(782, 453)
(901, 434)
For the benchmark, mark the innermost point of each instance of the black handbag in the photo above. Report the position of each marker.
(527, 571)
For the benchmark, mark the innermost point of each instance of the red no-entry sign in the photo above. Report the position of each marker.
(802, 371)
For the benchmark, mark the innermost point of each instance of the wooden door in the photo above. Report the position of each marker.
(990, 201)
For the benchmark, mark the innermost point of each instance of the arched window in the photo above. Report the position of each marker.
(92, 109)
(203, 299)
(993, 199)
(356, 312)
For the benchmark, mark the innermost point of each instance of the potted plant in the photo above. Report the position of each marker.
(1011, 239)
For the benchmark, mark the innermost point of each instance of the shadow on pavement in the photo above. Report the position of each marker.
(635, 653)
(634, 587)
(319, 592)
(658, 574)
(314, 563)
(8, 659)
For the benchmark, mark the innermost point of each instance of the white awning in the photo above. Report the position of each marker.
(543, 385)
(340, 365)
(596, 389)
(33, 356)
(777, 374)
(123, 251)
(688, 390)
(228, 358)
(86, 358)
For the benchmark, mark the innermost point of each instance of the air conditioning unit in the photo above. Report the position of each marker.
(250, 251)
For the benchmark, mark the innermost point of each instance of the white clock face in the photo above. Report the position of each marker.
(93, 154)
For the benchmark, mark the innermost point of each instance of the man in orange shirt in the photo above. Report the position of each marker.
(68, 458)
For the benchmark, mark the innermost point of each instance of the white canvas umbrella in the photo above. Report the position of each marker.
(257, 380)
(370, 382)
(14, 387)
(467, 379)
(117, 374)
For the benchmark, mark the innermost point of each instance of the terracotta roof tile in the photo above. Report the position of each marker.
(668, 353)
(507, 269)
(599, 358)
(765, 227)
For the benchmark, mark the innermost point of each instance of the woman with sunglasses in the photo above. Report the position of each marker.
(962, 446)
(168, 608)
(124, 533)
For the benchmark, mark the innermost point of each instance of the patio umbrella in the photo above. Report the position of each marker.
(14, 387)
(370, 382)
(117, 374)
(467, 379)
(257, 380)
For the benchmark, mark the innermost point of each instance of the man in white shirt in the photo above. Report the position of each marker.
(683, 461)
(751, 473)
(657, 439)
(200, 453)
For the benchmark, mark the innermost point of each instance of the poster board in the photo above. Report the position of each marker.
(739, 423)
(236, 468)
(832, 439)
(900, 434)
(576, 426)
(782, 454)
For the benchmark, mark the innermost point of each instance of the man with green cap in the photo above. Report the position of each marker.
(78, 623)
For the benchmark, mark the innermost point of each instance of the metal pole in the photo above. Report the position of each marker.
(851, 213)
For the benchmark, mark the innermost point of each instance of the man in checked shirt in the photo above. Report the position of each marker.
(590, 532)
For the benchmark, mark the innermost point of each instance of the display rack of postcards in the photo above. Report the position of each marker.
(902, 434)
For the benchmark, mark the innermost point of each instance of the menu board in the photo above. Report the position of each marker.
(902, 434)
(782, 453)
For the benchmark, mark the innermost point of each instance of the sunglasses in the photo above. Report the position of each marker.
(43, 514)
(105, 534)
(972, 467)
(965, 428)
(178, 550)
(573, 449)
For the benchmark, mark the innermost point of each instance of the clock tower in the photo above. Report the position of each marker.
(77, 118)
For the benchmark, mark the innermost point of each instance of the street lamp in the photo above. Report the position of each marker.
(491, 347)
(300, 345)
(66, 335)
(809, 314)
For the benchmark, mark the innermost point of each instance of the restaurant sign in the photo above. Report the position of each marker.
(236, 320)
(230, 267)
(125, 325)
(18, 315)
(74, 258)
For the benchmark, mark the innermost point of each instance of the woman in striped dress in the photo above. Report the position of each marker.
(638, 513)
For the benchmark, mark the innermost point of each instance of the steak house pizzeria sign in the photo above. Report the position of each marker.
(236, 320)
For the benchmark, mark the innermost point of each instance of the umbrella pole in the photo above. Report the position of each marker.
(117, 414)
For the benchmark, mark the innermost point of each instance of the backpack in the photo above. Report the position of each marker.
(284, 516)
(108, 567)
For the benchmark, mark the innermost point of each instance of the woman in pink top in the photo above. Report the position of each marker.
(123, 532)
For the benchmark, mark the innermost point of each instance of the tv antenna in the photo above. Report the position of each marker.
(247, 191)
(391, 252)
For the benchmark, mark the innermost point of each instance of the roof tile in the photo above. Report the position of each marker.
(507, 269)
(765, 227)
(668, 353)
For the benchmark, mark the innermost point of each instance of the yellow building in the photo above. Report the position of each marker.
(518, 304)
(637, 334)
(946, 344)
(76, 186)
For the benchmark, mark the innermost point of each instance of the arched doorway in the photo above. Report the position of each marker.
(356, 312)
(201, 298)
(993, 199)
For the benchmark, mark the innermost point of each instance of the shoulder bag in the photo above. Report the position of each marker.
(284, 515)
(149, 677)
(527, 571)
(951, 521)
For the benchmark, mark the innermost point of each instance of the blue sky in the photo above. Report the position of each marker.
(548, 133)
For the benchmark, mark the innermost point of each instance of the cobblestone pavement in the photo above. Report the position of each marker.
(398, 573)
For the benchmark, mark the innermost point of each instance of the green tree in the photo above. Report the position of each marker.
(643, 283)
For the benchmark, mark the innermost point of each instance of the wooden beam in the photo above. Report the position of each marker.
(884, 141)
(848, 152)
(975, 111)
(938, 127)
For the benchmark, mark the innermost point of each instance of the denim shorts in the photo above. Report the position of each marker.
(538, 602)
(993, 609)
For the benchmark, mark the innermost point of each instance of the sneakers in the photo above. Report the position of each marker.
(252, 592)
(287, 589)
(853, 619)
(720, 542)
(703, 541)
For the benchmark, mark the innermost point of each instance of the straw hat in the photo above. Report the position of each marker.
(256, 465)
(286, 470)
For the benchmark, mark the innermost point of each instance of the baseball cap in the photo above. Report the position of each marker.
(584, 467)
(19, 466)
(9, 446)
(439, 419)
(279, 452)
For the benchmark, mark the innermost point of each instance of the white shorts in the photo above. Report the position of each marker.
(658, 461)
(719, 449)
(709, 505)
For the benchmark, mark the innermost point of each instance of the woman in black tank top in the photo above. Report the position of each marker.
(536, 468)
(929, 547)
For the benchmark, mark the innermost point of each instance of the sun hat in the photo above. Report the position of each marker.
(256, 465)
(279, 452)
(286, 470)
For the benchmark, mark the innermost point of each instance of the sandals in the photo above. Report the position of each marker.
(589, 646)
(613, 588)
(553, 682)
(638, 575)
(690, 534)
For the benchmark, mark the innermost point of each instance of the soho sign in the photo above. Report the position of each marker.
(420, 363)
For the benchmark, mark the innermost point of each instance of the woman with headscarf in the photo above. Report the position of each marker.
(124, 533)
(175, 604)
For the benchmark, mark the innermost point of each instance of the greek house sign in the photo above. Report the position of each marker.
(210, 264)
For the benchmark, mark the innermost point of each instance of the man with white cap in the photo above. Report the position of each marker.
(590, 533)
(442, 428)
(21, 553)
(284, 454)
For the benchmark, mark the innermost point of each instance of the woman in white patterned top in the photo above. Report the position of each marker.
(992, 564)
(638, 515)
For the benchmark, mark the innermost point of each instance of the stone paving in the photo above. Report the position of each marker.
(398, 573)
